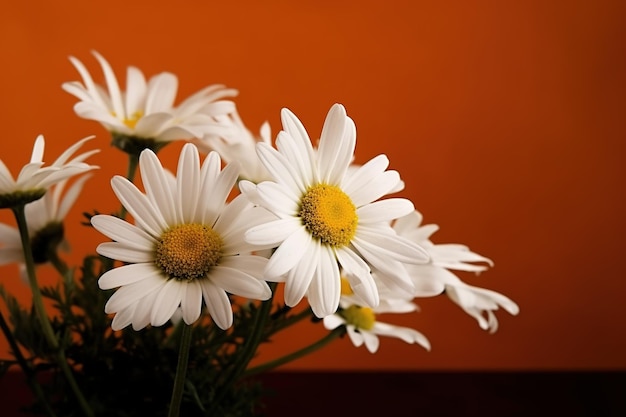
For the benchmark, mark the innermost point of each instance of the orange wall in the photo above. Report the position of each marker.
(505, 119)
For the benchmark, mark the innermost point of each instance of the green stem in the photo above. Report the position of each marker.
(250, 346)
(291, 320)
(28, 371)
(133, 162)
(40, 310)
(338, 332)
(181, 371)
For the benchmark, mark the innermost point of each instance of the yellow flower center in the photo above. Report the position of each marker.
(346, 289)
(329, 214)
(131, 121)
(188, 251)
(360, 317)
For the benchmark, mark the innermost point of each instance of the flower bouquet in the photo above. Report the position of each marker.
(167, 314)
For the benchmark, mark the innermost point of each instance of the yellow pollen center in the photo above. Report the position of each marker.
(131, 121)
(346, 289)
(360, 317)
(188, 251)
(329, 214)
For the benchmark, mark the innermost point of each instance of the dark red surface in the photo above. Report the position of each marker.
(419, 394)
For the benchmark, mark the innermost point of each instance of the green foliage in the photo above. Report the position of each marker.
(130, 373)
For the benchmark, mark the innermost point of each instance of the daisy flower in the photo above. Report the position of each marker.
(478, 302)
(327, 217)
(235, 142)
(186, 244)
(45, 226)
(144, 115)
(363, 327)
(34, 178)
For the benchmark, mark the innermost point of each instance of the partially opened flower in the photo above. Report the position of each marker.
(144, 115)
(186, 245)
(328, 217)
(235, 142)
(477, 302)
(45, 226)
(34, 178)
(364, 328)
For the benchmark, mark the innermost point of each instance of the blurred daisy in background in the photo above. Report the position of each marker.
(34, 178)
(235, 142)
(45, 219)
(144, 114)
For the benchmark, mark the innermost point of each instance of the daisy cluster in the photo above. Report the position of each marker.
(304, 216)
(197, 254)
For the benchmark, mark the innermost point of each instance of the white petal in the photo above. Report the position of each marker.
(357, 272)
(384, 210)
(299, 279)
(281, 170)
(325, 288)
(218, 304)
(123, 232)
(127, 275)
(333, 321)
(161, 93)
(121, 252)
(129, 294)
(188, 182)
(167, 301)
(143, 211)
(191, 303)
(288, 254)
(273, 232)
(371, 341)
(155, 181)
(335, 149)
(240, 283)
(390, 245)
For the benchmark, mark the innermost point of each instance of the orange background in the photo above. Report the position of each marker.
(505, 119)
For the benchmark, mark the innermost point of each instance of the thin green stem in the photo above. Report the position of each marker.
(46, 326)
(181, 370)
(250, 346)
(28, 371)
(291, 320)
(131, 171)
(338, 332)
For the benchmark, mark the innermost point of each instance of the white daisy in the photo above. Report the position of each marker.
(146, 110)
(34, 179)
(186, 244)
(44, 219)
(234, 142)
(328, 217)
(478, 302)
(363, 327)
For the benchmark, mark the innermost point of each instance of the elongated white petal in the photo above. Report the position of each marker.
(127, 275)
(123, 232)
(288, 254)
(157, 187)
(218, 304)
(121, 252)
(167, 301)
(239, 282)
(384, 210)
(299, 279)
(146, 215)
(273, 232)
(191, 301)
(325, 288)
